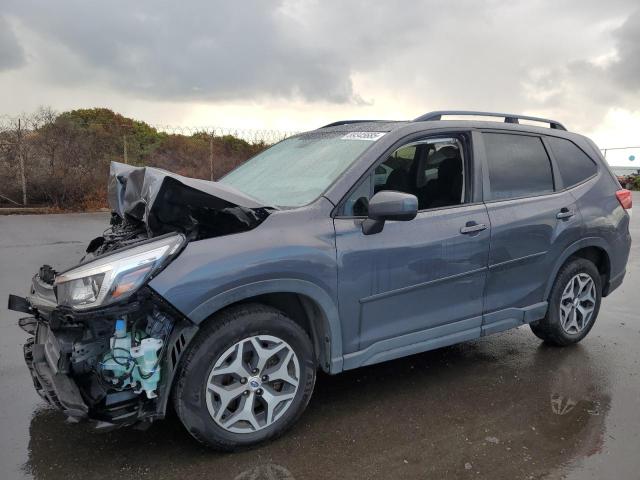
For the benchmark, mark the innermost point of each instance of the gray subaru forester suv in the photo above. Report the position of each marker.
(357, 243)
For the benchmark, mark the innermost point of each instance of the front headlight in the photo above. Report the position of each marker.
(114, 277)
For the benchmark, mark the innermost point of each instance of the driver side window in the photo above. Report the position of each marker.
(432, 170)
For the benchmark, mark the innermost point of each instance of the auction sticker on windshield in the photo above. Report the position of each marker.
(371, 136)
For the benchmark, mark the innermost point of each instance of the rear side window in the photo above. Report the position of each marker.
(518, 166)
(574, 165)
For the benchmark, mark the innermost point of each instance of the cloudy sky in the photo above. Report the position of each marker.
(299, 64)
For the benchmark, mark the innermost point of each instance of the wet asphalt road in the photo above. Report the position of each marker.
(504, 406)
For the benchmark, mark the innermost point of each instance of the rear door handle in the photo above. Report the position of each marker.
(565, 213)
(473, 227)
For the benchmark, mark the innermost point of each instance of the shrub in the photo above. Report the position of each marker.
(67, 156)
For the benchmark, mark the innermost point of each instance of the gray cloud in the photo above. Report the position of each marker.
(585, 89)
(11, 52)
(217, 50)
(491, 54)
(627, 68)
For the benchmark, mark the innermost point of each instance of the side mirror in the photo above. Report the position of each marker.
(389, 205)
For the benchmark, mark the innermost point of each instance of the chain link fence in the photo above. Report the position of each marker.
(63, 160)
(254, 136)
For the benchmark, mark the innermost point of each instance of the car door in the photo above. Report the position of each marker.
(417, 284)
(532, 222)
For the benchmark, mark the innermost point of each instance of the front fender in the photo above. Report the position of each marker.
(292, 251)
(284, 285)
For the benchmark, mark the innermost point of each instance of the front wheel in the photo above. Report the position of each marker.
(246, 378)
(574, 303)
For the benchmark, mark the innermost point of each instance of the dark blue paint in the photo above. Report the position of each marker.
(418, 284)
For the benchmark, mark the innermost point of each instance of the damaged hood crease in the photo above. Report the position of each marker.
(166, 202)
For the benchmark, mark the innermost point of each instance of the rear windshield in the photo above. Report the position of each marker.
(298, 170)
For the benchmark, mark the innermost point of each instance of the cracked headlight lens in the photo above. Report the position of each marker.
(115, 276)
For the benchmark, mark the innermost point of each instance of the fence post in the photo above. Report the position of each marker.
(211, 155)
(124, 147)
(23, 177)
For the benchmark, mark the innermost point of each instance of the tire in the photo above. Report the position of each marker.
(247, 328)
(550, 328)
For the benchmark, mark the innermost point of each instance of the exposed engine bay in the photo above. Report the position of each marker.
(112, 366)
(104, 346)
(148, 202)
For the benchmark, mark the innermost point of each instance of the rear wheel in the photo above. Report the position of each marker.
(574, 303)
(246, 378)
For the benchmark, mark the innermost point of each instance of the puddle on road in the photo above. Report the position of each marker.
(504, 407)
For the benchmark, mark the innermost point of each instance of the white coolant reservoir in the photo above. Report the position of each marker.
(147, 373)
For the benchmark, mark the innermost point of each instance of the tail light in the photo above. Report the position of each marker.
(625, 198)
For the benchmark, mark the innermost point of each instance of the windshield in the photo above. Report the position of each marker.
(298, 170)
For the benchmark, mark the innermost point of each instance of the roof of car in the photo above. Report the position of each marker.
(433, 120)
(411, 127)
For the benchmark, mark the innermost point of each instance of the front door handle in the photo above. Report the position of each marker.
(473, 227)
(565, 213)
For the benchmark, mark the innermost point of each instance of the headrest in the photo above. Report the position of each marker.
(446, 152)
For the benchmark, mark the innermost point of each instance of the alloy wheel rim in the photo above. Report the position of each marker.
(577, 303)
(252, 384)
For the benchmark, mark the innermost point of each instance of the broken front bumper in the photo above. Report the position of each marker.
(42, 354)
(66, 350)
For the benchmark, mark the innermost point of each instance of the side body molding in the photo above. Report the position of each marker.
(284, 285)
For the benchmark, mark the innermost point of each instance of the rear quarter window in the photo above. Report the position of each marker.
(574, 165)
(518, 166)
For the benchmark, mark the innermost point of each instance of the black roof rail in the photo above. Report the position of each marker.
(347, 122)
(508, 117)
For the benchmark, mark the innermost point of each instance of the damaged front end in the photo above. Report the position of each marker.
(103, 345)
(113, 366)
(150, 202)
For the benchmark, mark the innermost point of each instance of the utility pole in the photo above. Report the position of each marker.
(211, 155)
(19, 149)
(124, 147)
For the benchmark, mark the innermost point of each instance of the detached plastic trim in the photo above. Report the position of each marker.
(19, 304)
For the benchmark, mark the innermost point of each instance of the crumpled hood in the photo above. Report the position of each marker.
(166, 202)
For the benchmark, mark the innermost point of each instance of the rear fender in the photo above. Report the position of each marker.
(570, 250)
